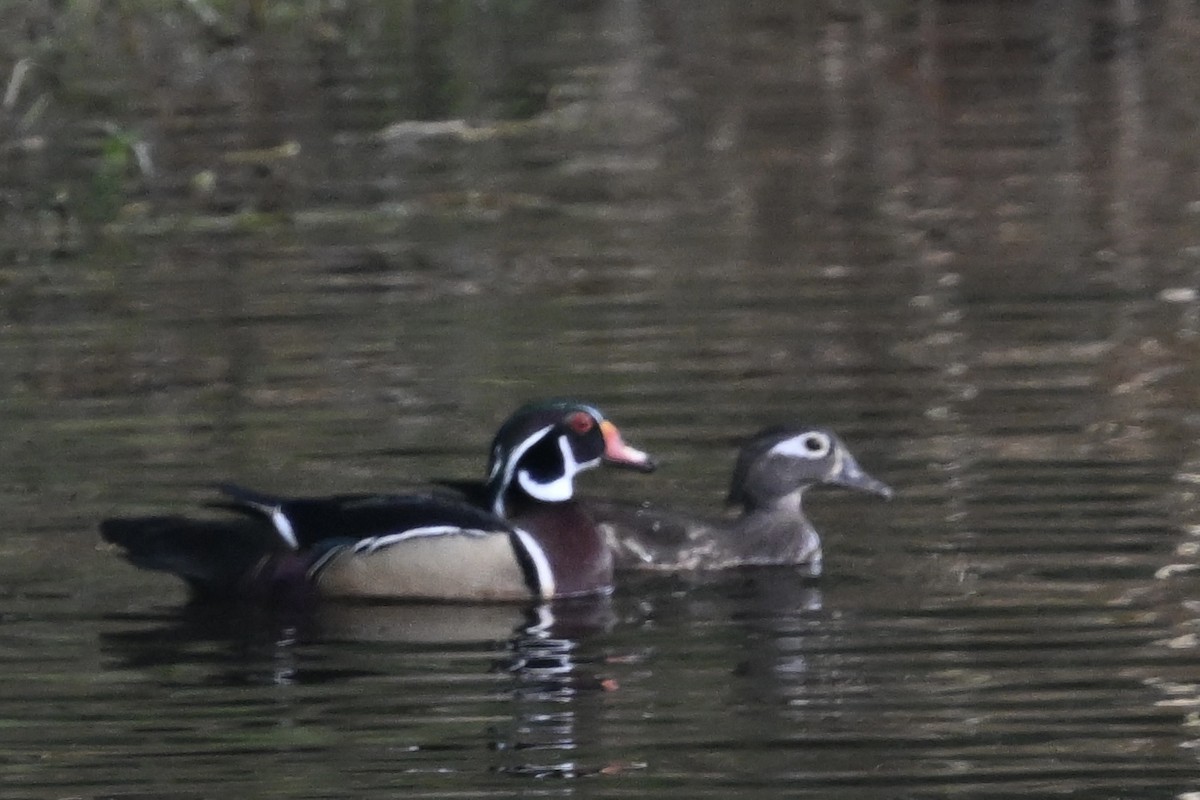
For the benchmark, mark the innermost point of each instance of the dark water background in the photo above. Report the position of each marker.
(327, 246)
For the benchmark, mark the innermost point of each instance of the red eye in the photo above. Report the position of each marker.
(581, 422)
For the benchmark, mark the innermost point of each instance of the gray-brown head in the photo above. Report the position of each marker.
(778, 463)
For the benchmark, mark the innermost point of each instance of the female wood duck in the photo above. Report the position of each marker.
(532, 541)
(772, 473)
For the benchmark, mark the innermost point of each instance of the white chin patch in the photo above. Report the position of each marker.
(558, 490)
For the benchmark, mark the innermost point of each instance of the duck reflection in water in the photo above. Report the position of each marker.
(248, 641)
(545, 686)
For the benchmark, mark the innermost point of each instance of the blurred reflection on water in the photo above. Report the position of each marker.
(326, 247)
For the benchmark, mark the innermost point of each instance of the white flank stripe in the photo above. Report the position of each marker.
(541, 564)
(387, 540)
(319, 564)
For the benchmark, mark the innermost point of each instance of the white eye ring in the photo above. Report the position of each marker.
(811, 445)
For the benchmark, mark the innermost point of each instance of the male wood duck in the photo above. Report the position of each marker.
(533, 541)
(773, 470)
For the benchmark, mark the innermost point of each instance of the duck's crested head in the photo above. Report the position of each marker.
(785, 460)
(543, 445)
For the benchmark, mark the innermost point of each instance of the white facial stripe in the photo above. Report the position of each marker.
(561, 488)
(497, 464)
(541, 564)
(571, 467)
(511, 465)
(796, 446)
(595, 462)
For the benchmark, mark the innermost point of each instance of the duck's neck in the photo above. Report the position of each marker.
(777, 532)
(501, 498)
(567, 536)
(787, 505)
(522, 493)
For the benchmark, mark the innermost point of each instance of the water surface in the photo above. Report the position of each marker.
(337, 250)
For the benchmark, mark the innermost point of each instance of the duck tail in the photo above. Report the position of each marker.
(217, 558)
